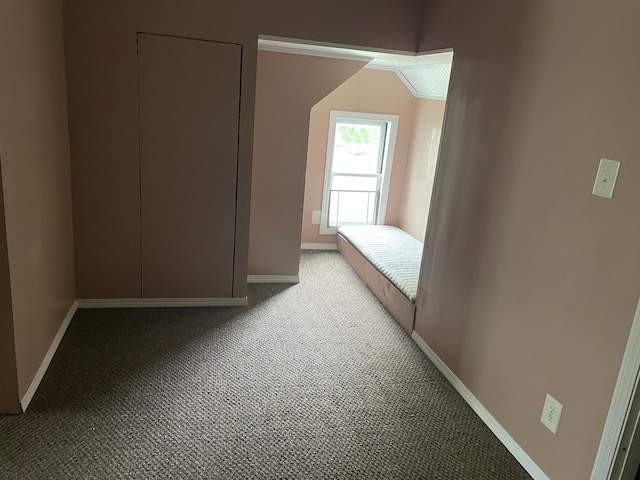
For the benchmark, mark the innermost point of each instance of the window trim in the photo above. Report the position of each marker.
(392, 122)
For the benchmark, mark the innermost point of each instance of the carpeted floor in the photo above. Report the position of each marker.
(311, 381)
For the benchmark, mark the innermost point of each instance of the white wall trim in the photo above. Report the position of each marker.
(504, 437)
(273, 279)
(623, 394)
(379, 56)
(35, 383)
(161, 302)
(327, 49)
(314, 50)
(318, 246)
(389, 60)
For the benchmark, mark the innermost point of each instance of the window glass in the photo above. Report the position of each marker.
(356, 148)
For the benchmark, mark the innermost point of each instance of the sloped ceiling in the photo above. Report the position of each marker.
(430, 81)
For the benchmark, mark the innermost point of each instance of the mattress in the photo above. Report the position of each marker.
(395, 253)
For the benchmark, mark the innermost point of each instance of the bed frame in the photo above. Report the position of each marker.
(398, 304)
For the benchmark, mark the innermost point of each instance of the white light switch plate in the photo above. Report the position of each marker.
(606, 178)
(315, 217)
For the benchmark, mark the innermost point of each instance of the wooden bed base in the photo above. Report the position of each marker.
(396, 302)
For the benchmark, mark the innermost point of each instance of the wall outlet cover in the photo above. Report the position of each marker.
(551, 414)
(315, 217)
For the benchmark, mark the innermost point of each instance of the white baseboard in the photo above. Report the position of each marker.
(318, 246)
(504, 437)
(161, 302)
(273, 279)
(35, 383)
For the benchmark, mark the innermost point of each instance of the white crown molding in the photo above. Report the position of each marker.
(161, 302)
(312, 51)
(35, 383)
(300, 46)
(386, 68)
(420, 66)
(432, 97)
(434, 53)
(378, 57)
(273, 279)
(419, 61)
(376, 60)
(507, 440)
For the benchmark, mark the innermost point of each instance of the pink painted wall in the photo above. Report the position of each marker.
(287, 87)
(512, 251)
(34, 150)
(529, 282)
(372, 91)
(421, 167)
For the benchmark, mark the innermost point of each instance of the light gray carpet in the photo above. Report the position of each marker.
(311, 381)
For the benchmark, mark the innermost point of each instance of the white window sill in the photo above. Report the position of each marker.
(328, 231)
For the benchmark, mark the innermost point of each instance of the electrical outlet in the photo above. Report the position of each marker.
(315, 217)
(551, 413)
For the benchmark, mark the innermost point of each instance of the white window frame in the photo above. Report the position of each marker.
(387, 162)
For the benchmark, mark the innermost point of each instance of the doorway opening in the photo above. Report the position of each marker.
(370, 178)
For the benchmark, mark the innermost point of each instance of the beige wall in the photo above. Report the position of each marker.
(421, 167)
(287, 87)
(34, 149)
(100, 40)
(529, 282)
(371, 91)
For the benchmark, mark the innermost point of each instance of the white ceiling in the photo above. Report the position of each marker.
(426, 76)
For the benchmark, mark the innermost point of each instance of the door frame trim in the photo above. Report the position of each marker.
(620, 425)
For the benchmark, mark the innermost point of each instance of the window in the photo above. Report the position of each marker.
(359, 158)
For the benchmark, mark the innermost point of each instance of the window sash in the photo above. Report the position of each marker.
(333, 184)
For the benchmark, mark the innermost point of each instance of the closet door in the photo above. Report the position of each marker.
(189, 97)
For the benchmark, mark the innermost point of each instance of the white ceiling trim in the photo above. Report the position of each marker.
(378, 60)
(312, 50)
(387, 68)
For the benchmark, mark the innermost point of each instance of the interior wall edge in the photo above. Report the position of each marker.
(9, 389)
